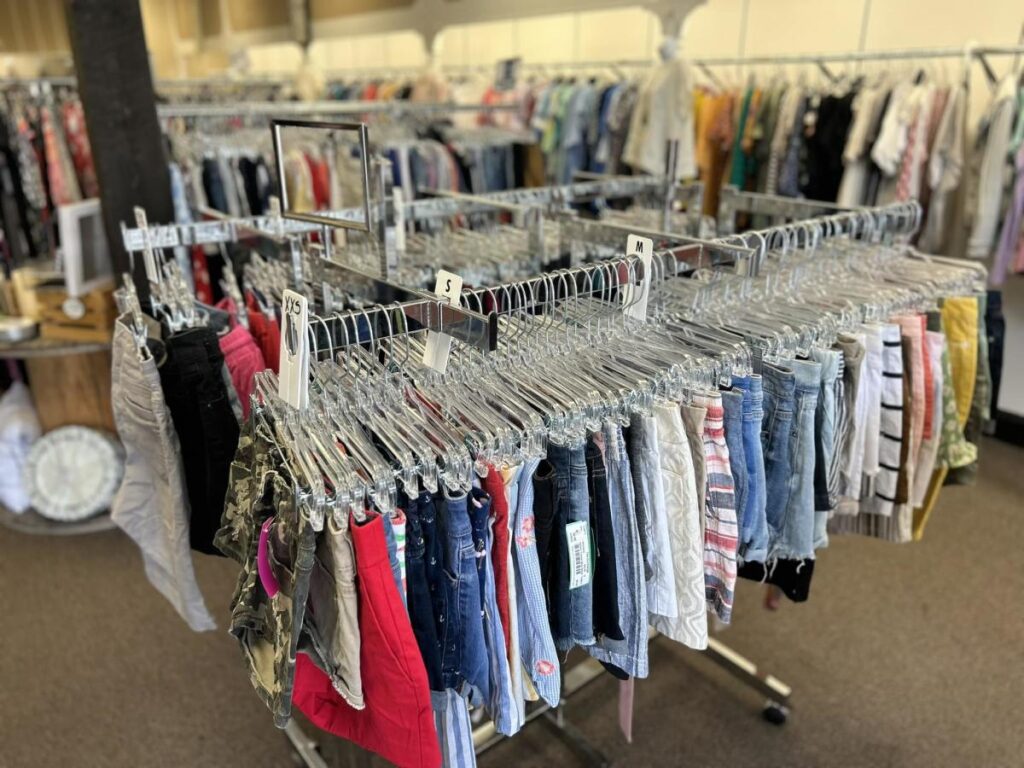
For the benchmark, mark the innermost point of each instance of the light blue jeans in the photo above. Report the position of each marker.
(540, 658)
(797, 532)
(753, 546)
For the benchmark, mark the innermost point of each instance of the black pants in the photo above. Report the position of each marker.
(197, 398)
(606, 591)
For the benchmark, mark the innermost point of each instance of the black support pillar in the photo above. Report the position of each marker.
(116, 88)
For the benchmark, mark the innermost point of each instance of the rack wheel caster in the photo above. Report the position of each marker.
(775, 713)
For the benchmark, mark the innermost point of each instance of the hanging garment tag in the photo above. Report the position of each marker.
(293, 375)
(578, 536)
(148, 257)
(398, 199)
(635, 296)
(439, 345)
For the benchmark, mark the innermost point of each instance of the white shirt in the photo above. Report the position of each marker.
(663, 113)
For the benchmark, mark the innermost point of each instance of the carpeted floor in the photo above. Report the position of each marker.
(904, 656)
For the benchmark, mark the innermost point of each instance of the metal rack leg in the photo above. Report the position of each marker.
(582, 674)
(304, 746)
(778, 693)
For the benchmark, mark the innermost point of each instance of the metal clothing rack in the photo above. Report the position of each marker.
(230, 230)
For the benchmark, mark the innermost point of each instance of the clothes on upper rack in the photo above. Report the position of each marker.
(45, 162)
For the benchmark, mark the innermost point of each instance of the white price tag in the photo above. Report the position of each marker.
(578, 535)
(439, 345)
(635, 296)
(399, 203)
(293, 375)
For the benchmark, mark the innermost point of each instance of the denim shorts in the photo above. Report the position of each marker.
(571, 609)
(797, 539)
(779, 389)
(461, 628)
(633, 436)
(630, 653)
(605, 582)
(754, 530)
(425, 593)
(539, 656)
(825, 429)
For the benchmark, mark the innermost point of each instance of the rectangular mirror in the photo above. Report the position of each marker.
(308, 154)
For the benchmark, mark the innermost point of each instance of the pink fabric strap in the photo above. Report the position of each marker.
(270, 583)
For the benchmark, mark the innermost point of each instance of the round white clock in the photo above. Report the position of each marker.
(73, 473)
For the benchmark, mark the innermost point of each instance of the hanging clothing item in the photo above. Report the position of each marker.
(152, 505)
(539, 656)
(825, 142)
(945, 170)
(690, 625)
(60, 171)
(1011, 239)
(663, 113)
(397, 722)
(994, 141)
(19, 429)
(867, 112)
(197, 399)
(627, 654)
(244, 360)
(720, 530)
(789, 122)
(266, 530)
(78, 145)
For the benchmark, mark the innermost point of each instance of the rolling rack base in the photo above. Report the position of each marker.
(776, 709)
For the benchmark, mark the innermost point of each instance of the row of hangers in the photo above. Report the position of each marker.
(570, 356)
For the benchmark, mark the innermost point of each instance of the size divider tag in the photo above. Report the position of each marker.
(439, 345)
(398, 198)
(293, 375)
(148, 257)
(578, 535)
(635, 296)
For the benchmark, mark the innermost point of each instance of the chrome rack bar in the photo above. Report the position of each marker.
(425, 310)
(292, 108)
(892, 55)
(733, 200)
(613, 234)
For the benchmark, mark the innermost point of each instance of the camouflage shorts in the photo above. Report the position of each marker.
(267, 627)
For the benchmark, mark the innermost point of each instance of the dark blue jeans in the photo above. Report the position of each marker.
(425, 595)
(463, 650)
(602, 536)
(571, 609)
